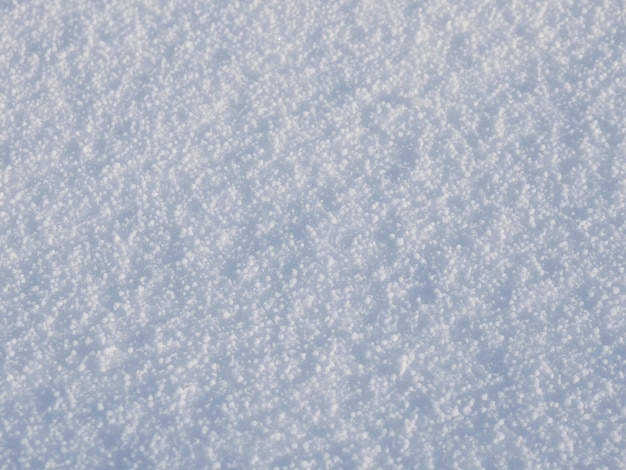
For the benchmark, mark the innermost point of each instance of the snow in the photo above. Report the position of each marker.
(356, 234)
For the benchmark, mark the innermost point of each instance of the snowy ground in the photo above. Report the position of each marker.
(312, 234)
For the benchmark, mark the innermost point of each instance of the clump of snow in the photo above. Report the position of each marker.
(312, 234)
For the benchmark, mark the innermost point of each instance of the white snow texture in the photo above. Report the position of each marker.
(312, 234)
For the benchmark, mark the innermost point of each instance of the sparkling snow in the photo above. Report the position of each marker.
(311, 234)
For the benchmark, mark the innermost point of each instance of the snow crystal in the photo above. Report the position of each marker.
(312, 234)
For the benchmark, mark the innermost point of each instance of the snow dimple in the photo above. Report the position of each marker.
(356, 234)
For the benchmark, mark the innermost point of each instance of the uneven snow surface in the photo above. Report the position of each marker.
(312, 234)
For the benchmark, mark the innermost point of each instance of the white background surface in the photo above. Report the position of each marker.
(358, 234)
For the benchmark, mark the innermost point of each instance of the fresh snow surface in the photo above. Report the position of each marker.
(312, 234)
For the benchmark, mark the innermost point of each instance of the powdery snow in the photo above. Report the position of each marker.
(357, 234)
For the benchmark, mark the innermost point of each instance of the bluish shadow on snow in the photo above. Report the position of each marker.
(5, 154)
